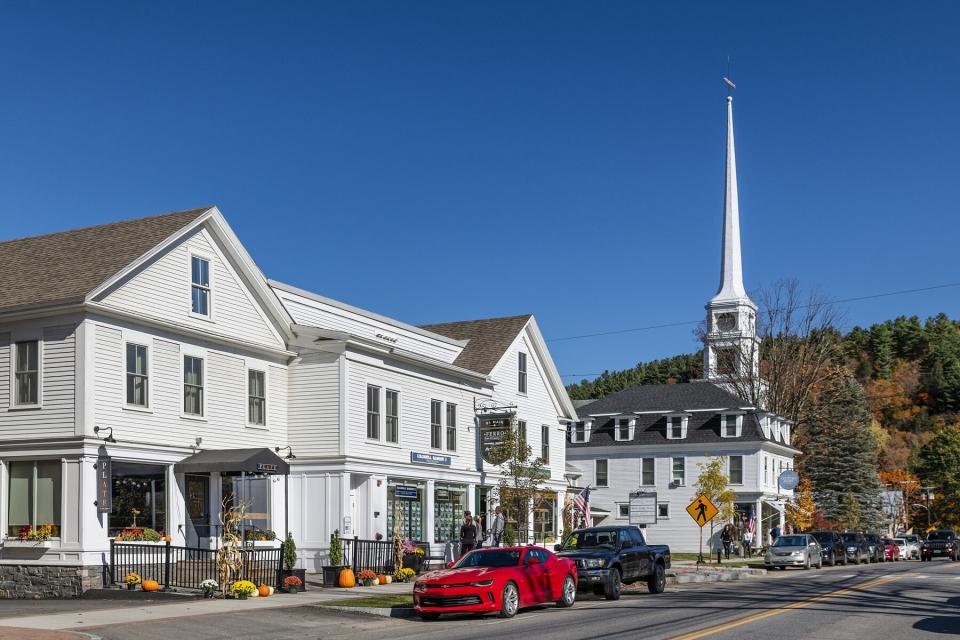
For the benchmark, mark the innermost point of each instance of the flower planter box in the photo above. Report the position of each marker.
(27, 544)
(262, 544)
(152, 543)
(413, 561)
(331, 575)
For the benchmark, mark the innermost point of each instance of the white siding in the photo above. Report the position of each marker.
(314, 407)
(58, 353)
(161, 290)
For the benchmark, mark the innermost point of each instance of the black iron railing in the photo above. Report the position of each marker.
(376, 555)
(187, 567)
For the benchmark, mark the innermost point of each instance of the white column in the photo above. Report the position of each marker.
(558, 515)
(347, 526)
(215, 489)
(176, 507)
(428, 502)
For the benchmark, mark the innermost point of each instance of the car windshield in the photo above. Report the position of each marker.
(791, 541)
(491, 558)
(900, 541)
(850, 537)
(823, 536)
(595, 539)
(912, 539)
(940, 535)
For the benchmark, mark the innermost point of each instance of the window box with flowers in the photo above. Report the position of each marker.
(260, 539)
(141, 536)
(30, 538)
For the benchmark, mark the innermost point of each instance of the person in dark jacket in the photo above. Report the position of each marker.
(726, 537)
(468, 534)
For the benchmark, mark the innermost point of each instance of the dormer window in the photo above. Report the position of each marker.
(676, 427)
(731, 426)
(578, 432)
(623, 429)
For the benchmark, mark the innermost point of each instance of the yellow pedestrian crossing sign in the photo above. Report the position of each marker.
(702, 510)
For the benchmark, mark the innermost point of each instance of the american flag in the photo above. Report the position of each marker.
(751, 523)
(582, 502)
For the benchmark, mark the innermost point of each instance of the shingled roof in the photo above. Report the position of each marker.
(487, 339)
(64, 267)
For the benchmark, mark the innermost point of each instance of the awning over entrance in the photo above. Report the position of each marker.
(260, 460)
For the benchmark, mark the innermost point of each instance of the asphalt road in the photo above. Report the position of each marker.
(890, 601)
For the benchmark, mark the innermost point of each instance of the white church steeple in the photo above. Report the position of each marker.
(731, 346)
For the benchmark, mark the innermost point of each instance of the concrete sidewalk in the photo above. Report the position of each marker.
(128, 612)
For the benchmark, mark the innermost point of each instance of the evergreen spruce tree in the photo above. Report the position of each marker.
(881, 345)
(841, 452)
(938, 465)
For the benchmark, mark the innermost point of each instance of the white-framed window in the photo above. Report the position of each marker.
(200, 302)
(676, 427)
(393, 416)
(451, 427)
(34, 495)
(578, 432)
(522, 429)
(138, 375)
(735, 469)
(663, 510)
(193, 385)
(623, 429)
(766, 470)
(679, 471)
(731, 425)
(623, 511)
(521, 372)
(545, 442)
(436, 424)
(648, 476)
(600, 478)
(26, 373)
(373, 412)
(257, 397)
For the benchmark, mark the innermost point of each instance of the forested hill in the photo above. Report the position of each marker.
(910, 371)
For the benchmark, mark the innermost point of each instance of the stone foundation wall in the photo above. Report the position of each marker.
(47, 581)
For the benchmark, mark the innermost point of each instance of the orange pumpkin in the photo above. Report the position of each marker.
(264, 591)
(150, 585)
(347, 578)
(167, 538)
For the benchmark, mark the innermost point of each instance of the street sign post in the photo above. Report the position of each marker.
(702, 510)
(643, 507)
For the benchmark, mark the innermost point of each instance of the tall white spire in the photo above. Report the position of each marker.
(731, 266)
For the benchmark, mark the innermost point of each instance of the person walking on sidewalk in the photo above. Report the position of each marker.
(468, 534)
(496, 531)
(726, 537)
(747, 543)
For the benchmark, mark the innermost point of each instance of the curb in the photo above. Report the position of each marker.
(378, 612)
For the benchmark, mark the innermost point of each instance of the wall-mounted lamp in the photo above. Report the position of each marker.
(109, 438)
(289, 451)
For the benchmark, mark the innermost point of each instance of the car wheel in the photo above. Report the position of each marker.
(657, 582)
(845, 560)
(820, 563)
(833, 559)
(806, 563)
(612, 589)
(568, 593)
(429, 616)
(509, 601)
(782, 568)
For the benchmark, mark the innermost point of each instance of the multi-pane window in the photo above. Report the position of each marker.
(647, 477)
(27, 372)
(137, 381)
(600, 477)
(545, 442)
(451, 427)
(680, 471)
(736, 469)
(34, 496)
(676, 429)
(393, 416)
(192, 386)
(578, 432)
(257, 397)
(522, 372)
(373, 412)
(436, 426)
(200, 285)
(729, 426)
(623, 429)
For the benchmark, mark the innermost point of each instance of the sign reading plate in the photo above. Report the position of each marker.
(789, 480)
(643, 508)
(702, 510)
(104, 485)
(429, 458)
(494, 428)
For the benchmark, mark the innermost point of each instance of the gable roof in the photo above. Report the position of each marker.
(487, 339)
(64, 267)
(666, 398)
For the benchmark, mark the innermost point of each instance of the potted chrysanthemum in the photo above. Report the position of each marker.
(241, 589)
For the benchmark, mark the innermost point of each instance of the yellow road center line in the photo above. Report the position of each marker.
(763, 615)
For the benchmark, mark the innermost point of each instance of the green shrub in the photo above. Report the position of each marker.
(336, 549)
(289, 553)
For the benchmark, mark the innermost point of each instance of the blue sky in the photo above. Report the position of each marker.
(445, 161)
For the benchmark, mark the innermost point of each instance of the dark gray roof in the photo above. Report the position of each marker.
(488, 339)
(704, 401)
(260, 460)
(64, 267)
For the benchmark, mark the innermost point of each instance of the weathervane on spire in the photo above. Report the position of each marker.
(727, 81)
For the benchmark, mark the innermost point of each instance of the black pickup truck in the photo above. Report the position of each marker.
(942, 543)
(609, 557)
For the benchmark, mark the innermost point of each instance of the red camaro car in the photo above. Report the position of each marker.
(501, 579)
(891, 549)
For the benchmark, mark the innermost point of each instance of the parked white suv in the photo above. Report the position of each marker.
(911, 550)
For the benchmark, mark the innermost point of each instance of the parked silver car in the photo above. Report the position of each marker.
(797, 550)
(913, 546)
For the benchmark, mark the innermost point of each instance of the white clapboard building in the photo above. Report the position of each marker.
(654, 438)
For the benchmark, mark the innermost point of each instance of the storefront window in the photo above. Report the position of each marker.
(405, 500)
(139, 500)
(34, 498)
(449, 503)
(254, 491)
(544, 516)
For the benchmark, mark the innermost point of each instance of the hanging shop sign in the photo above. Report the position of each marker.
(405, 492)
(104, 484)
(429, 458)
(494, 430)
(643, 507)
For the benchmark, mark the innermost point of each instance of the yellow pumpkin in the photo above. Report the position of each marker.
(264, 591)
(150, 585)
(347, 578)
